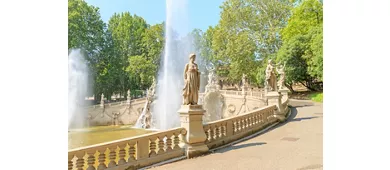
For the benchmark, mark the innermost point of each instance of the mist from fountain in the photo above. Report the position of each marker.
(170, 78)
(77, 89)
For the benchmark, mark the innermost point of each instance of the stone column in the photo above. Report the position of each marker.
(128, 97)
(102, 100)
(284, 93)
(191, 120)
(275, 98)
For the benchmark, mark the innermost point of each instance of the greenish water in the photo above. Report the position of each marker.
(100, 134)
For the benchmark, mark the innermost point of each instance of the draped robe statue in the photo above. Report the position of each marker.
(191, 82)
(282, 76)
(270, 77)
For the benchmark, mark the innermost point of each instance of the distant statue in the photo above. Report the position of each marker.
(191, 82)
(153, 87)
(270, 77)
(244, 80)
(211, 78)
(282, 77)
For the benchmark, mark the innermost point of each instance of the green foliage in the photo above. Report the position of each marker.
(302, 45)
(307, 15)
(125, 53)
(142, 70)
(248, 33)
(153, 43)
(317, 97)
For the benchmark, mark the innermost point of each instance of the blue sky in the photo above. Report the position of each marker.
(202, 13)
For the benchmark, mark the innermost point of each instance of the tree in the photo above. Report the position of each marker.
(86, 32)
(144, 68)
(303, 37)
(127, 34)
(153, 43)
(249, 23)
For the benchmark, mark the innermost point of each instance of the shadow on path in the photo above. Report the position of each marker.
(223, 150)
(303, 118)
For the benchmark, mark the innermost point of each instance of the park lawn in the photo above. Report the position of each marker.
(317, 97)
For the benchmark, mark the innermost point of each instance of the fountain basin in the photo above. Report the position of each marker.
(100, 134)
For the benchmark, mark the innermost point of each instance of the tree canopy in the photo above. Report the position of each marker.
(125, 53)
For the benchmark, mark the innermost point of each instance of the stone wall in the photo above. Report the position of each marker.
(218, 105)
(225, 104)
(118, 113)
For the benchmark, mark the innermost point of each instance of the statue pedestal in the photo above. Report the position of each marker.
(284, 92)
(275, 98)
(191, 120)
(243, 90)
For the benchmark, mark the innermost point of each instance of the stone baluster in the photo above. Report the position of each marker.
(112, 156)
(207, 132)
(256, 119)
(238, 125)
(70, 161)
(217, 132)
(234, 126)
(224, 132)
(102, 159)
(91, 160)
(80, 161)
(169, 143)
(153, 147)
(176, 141)
(161, 145)
(243, 124)
(122, 154)
(132, 151)
(212, 133)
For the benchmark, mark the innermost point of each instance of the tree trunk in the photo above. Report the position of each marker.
(308, 86)
(290, 87)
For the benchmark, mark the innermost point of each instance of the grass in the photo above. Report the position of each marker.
(317, 97)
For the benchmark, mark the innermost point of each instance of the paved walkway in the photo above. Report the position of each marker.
(294, 145)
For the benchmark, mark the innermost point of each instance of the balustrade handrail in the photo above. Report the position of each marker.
(119, 141)
(142, 151)
(237, 116)
(116, 103)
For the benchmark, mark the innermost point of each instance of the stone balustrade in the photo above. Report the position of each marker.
(230, 129)
(116, 113)
(195, 138)
(139, 151)
(256, 94)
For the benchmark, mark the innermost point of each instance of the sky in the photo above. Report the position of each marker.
(201, 13)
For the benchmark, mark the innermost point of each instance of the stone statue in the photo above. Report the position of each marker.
(191, 82)
(282, 78)
(244, 80)
(211, 78)
(270, 77)
(153, 87)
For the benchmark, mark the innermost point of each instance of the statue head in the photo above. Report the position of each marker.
(269, 61)
(192, 57)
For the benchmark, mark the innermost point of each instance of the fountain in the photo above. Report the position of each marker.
(170, 78)
(77, 89)
(145, 120)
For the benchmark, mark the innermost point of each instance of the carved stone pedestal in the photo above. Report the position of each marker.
(275, 98)
(284, 93)
(191, 120)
